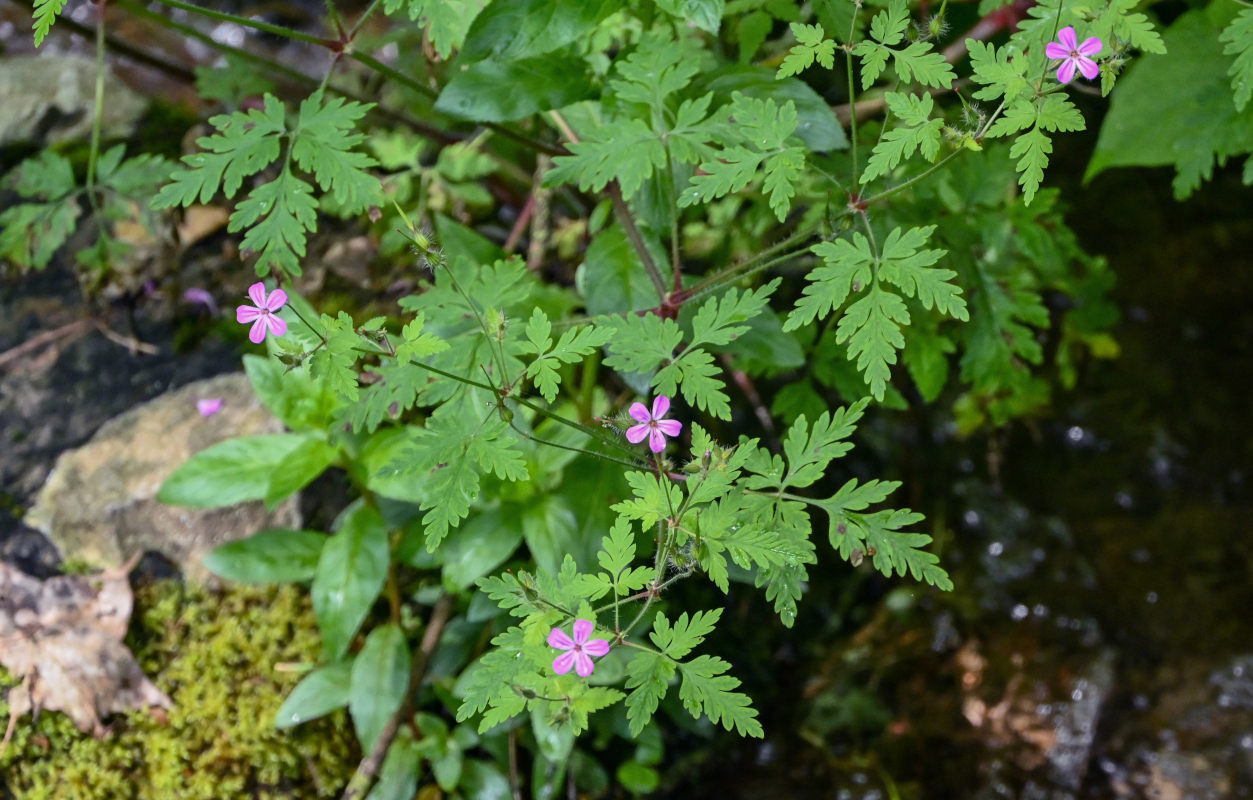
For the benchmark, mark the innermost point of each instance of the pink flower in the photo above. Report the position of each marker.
(578, 650)
(262, 315)
(1074, 55)
(209, 406)
(652, 425)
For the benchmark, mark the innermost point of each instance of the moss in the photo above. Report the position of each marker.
(223, 658)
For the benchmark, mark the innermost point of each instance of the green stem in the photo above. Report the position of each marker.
(222, 16)
(674, 221)
(852, 103)
(623, 213)
(98, 118)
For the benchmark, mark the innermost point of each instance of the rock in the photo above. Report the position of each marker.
(99, 503)
(52, 99)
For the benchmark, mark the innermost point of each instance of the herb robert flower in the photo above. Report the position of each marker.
(578, 650)
(652, 424)
(1074, 55)
(262, 315)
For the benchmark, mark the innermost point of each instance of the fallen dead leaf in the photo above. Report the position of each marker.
(63, 638)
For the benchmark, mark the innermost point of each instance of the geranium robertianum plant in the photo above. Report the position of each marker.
(722, 277)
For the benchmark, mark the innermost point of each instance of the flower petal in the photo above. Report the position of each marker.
(1055, 50)
(1090, 47)
(639, 412)
(1088, 67)
(558, 639)
(276, 300)
(257, 293)
(582, 664)
(661, 404)
(582, 630)
(596, 647)
(257, 334)
(563, 662)
(636, 433)
(656, 441)
(278, 325)
(1066, 72)
(670, 427)
(1068, 39)
(246, 314)
(209, 406)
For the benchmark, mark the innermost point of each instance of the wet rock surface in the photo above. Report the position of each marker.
(99, 502)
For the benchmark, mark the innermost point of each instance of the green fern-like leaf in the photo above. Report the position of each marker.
(811, 47)
(915, 132)
(45, 13)
(707, 689)
(1238, 37)
(917, 61)
(447, 21)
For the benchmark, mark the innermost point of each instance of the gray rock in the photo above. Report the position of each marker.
(52, 99)
(99, 503)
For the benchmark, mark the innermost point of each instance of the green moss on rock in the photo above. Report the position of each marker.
(226, 661)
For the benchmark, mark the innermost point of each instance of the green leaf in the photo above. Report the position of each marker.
(319, 693)
(1001, 75)
(816, 126)
(298, 469)
(627, 151)
(323, 140)
(229, 472)
(45, 12)
(906, 266)
(706, 689)
(1032, 150)
(246, 142)
(915, 132)
(349, 577)
(811, 47)
(704, 14)
(679, 639)
(648, 679)
(279, 215)
(380, 681)
(478, 547)
(574, 346)
(275, 555)
(611, 278)
(1238, 37)
(871, 327)
(491, 91)
(765, 130)
(398, 777)
(916, 62)
(509, 30)
(447, 21)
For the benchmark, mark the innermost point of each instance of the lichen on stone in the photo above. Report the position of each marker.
(227, 659)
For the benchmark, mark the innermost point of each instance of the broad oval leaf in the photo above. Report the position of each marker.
(298, 469)
(349, 577)
(277, 555)
(318, 694)
(508, 30)
(229, 472)
(492, 91)
(479, 546)
(380, 679)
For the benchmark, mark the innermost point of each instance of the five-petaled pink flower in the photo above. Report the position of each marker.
(652, 425)
(578, 650)
(209, 406)
(262, 314)
(1074, 55)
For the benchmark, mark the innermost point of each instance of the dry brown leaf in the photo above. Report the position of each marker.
(63, 638)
